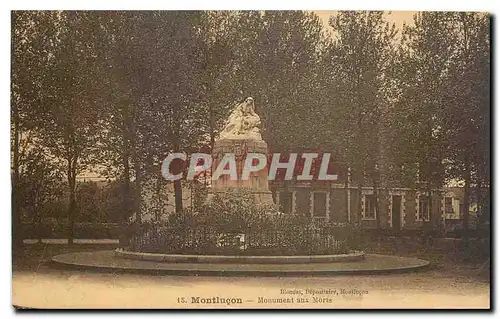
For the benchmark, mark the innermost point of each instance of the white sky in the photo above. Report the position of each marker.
(397, 17)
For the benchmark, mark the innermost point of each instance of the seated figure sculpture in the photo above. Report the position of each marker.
(243, 123)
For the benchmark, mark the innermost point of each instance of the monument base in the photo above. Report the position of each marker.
(257, 183)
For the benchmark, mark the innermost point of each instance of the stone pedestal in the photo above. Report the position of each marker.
(257, 182)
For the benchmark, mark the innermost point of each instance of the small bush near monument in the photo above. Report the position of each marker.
(233, 223)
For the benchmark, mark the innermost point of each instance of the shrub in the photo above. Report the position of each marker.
(234, 223)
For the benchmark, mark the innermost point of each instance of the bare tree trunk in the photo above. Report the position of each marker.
(72, 197)
(377, 206)
(134, 149)
(128, 198)
(177, 183)
(38, 217)
(360, 194)
(158, 195)
(479, 199)
(429, 196)
(178, 196)
(212, 128)
(126, 189)
(361, 167)
(346, 188)
(376, 176)
(466, 207)
(126, 201)
(138, 188)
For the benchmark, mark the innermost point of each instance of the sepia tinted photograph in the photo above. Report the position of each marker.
(250, 159)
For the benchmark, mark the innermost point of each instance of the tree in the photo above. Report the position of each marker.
(424, 61)
(218, 31)
(173, 106)
(40, 185)
(359, 59)
(32, 34)
(158, 90)
(123, 85)
(440, 117)
(467, 108)
(68, 120)
(278, 55)
(88, 206)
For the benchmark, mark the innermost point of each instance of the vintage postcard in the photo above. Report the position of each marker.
(250, 159)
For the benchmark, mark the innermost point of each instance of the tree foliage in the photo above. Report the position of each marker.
(115, 91)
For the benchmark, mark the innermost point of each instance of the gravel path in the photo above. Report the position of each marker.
(37, 284)
(77, 289)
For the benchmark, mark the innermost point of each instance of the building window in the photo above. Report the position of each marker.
(302, 202)
(285, 201)
(448, 206)
(370, 207)
(319, 205)
(423, 208)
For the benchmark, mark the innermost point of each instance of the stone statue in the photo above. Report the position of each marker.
(240, 137)
(243, 123)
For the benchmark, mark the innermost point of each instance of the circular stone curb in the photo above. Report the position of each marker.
(106, 260)
(224, 259)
